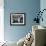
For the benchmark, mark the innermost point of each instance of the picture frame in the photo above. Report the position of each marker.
(17, 19)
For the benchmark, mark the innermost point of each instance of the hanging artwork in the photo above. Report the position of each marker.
(17, 19)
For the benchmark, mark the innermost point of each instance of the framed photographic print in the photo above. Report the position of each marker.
(17, 19)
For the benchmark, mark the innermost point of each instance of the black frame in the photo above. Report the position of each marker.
(14, 24)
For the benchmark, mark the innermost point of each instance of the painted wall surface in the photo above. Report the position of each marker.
(30, 7)
(43, 6)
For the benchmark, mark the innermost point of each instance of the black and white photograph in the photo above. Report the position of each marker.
(17, 18)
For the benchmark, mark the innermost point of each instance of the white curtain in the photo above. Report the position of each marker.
(1, 20)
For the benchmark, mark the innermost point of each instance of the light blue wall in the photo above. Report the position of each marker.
(30, 7)
(43, 6)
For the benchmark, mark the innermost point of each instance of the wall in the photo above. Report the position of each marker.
(30, 7)
(43, 6)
